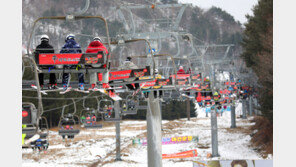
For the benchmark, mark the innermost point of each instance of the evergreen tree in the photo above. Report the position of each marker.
(258, 51)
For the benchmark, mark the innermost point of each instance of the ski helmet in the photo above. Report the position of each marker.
(181, 67)
(97, 38)
(128, 58)
(44, 37)
(156, 71)
(70, 36)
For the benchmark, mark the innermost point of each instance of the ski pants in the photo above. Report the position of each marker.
(52, 78)
(66, 77)
(131, 87)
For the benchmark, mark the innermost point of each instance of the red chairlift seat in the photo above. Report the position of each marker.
(133, 74)
(97, 59)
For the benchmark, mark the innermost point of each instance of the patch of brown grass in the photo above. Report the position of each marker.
(263, 138)
(243, 129)
(135, 128)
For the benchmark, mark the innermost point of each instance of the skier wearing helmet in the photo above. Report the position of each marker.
(181, 70)
(45, 47)
(157, 76)
(128, 65)
(94, 47)
(71, 46)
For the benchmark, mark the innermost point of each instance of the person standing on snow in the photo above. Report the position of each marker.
(94, 47)
(71, 46)
(45, 47)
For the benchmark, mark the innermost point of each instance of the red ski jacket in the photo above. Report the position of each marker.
(96, 46)
(181, 71)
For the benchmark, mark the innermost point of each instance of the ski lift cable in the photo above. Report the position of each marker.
(65, 105)
(52, 98)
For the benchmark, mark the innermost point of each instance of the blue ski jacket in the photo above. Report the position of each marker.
(71, 46)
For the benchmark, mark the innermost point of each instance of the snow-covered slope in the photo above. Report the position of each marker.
(97, 147)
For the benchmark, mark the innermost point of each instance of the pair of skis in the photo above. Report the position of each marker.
(77, 90)
(60, 90)
(138, 90)
(44, 92)
(109, 92)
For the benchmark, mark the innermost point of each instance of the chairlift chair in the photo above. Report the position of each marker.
(89, 62)
(131, 76)
(90, 117)
(66, 123)
(93, 120)
(106, 108)
(131, 105)
(30, 128)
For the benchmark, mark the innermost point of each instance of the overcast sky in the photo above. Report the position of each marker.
(237, 8)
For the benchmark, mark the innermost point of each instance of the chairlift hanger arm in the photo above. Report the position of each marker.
(40, 105)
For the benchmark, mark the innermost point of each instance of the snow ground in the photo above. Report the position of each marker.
(98, 146)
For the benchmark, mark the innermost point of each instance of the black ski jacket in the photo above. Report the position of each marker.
(44, 47)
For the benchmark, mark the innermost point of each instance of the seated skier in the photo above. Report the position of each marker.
(82, 119)
(109, 111)
(105, 110)
(45, 47)
(88, 119)
(71, 46)
(124, 107)
(128, 65)
(93, 119)
(94, 47)
(181, 70)
(157, 75)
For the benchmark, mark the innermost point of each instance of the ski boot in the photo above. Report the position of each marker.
(93, 87)
(49, 87)
(81, 86)
(54, 86)
(106, 86)
(65, 87)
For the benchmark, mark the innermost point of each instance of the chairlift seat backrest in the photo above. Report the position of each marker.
(71, 58)
(126, 74)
